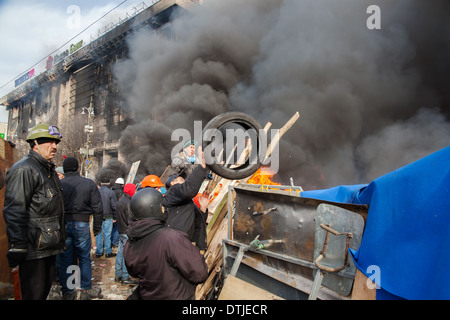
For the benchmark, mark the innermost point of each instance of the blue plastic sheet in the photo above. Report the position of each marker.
(406, 242)
(343, 194)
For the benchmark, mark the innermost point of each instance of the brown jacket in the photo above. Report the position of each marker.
(165, 261)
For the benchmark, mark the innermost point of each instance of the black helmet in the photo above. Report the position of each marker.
(146, 204)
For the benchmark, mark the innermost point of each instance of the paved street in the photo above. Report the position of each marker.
(103, 277)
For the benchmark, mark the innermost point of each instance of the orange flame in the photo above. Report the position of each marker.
(263, 176)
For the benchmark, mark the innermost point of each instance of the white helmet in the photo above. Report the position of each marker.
(120, 181)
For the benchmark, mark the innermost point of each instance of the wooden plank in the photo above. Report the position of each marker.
(215, 246)
(203, 289)
(361, 290)
(165, 174)
(280, 133)
(221, 190)
(216, 219)
(133, 170)
(237, 289)
(213, 259)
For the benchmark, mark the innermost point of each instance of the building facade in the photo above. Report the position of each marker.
(78, 93)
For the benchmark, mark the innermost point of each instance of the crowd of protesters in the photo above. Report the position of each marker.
(53, 215)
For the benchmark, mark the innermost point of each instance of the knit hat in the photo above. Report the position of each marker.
(170, 179)
(129, 189)
(70, 164)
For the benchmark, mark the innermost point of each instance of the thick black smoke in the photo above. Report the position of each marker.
(370, 100)
(111, 171)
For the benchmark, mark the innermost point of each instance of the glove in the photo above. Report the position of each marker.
(15, 257)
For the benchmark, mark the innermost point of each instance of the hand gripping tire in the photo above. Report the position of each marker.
(220, 122)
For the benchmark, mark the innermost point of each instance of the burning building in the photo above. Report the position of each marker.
(371, 100)
(363, 93)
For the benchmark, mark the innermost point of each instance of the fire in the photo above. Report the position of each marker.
(263, 176)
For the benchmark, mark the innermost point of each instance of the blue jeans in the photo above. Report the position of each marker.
(106, 233)
(78, 242)
(121, 269)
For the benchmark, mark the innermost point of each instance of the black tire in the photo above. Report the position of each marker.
(220, 122)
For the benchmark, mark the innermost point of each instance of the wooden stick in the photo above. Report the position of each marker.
(244, 155)
(280, 133)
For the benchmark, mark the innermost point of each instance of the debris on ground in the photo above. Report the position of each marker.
(103, 276)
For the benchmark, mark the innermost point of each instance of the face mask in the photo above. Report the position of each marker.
(192, 159)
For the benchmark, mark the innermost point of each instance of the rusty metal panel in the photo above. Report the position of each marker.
(348, 230)
(292, 222)
(276, 216)
(277, 228)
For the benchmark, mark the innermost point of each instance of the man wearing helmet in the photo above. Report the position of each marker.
(153, 181)
(164, 260)
(33, 212)
(186, 161)
(118, 188)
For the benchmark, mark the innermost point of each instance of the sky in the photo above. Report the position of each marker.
(31, 30)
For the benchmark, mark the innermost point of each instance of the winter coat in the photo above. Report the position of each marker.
(109, 202)
(123, 213)
(123, 208)
(33, 208)
(118, 191)
(81, 199)
(182, 166)
(164, 260)
(183, 214)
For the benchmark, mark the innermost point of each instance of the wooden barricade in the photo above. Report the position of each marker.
(217, 221)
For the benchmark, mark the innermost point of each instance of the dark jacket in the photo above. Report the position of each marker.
(167, 264)
(182, 166)
(183, 214)
(123, 208)
(34, 209)
(81, 199)
(118, 191)
(123, 213)
(109, 202)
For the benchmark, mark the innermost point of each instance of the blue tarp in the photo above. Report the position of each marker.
(343, 194)
(407, 234)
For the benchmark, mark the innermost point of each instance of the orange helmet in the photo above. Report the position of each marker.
(151, 181)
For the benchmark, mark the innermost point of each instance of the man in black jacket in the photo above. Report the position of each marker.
(183, 214)
(123, 217)
(109, 202)
(81, 199)
(34, 213)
